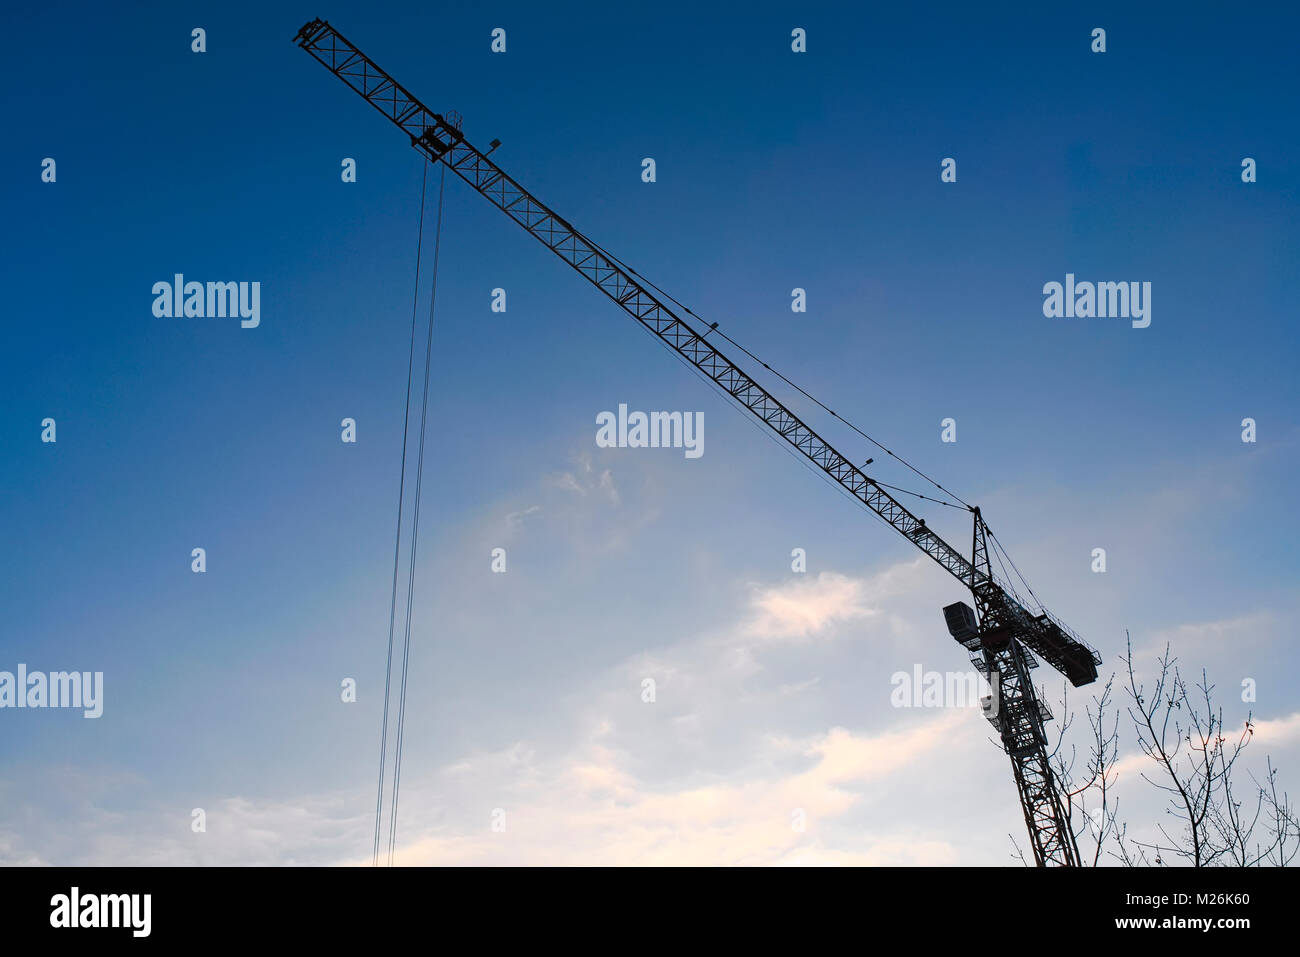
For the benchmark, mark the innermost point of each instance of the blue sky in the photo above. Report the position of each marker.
(774, 170)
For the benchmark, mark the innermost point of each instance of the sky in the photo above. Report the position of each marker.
(775, 170)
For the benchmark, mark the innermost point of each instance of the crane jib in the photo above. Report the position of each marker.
(441, 140)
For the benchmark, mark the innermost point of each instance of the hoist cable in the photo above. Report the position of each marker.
(1022, 578)
(415, 528)
(397, 544)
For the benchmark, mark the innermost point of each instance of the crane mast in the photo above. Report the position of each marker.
(1001, 633)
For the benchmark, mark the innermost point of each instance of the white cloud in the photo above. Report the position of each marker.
(1278, 731)
(806, 608)
(710, 774)
(590, 809)
(516, 519)
(585, 480)
(1191, 642)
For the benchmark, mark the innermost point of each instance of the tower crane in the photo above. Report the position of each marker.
(1003, 637)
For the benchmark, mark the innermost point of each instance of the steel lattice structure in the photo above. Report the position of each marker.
(1006, 630)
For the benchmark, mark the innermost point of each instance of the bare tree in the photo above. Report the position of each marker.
(1190, 752)
(1194, 763)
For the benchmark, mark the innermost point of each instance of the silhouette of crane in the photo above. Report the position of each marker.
(1002, 635)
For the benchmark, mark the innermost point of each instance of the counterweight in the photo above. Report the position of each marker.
(1005, 630)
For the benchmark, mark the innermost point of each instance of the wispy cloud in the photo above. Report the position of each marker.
(708, 774)
(804, 609)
